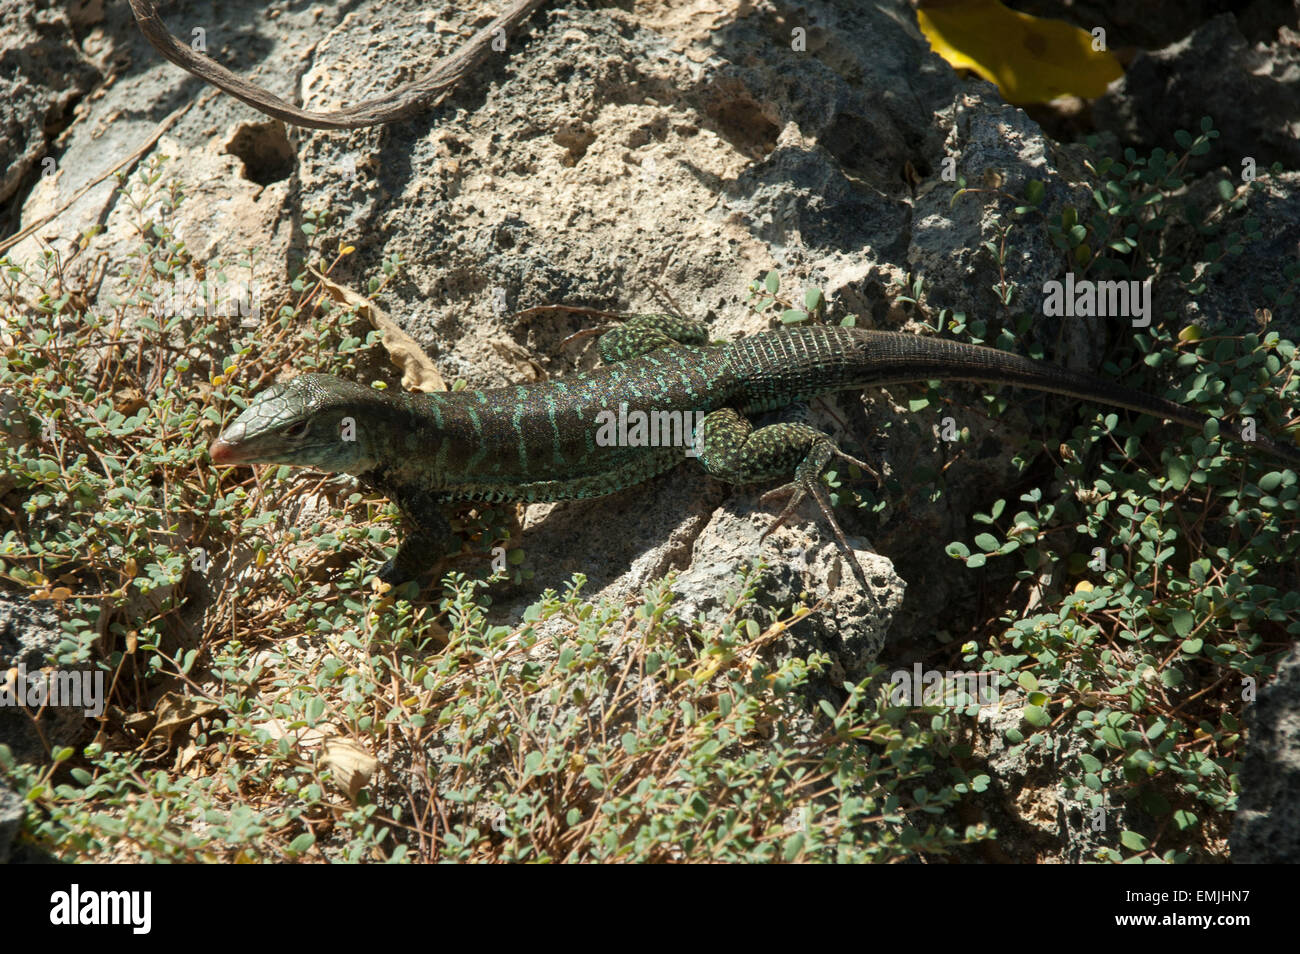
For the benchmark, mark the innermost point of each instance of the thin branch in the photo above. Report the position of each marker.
(399, 103)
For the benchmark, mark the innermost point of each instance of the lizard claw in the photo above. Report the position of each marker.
(792, 490)
(866, 468)
(807, 482)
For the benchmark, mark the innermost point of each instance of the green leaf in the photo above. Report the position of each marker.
(1179, 473)
(773, 282)
(812, 297)
(1270, 482)
(1034, 191)
(1037, 716)
(301, 843)
(987, 542)
(1133, 841)
(793, 845)
(792, 316)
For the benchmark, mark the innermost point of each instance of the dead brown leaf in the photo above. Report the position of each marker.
(418, 371)
(353, 766)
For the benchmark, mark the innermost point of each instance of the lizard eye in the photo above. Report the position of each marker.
(296, 430)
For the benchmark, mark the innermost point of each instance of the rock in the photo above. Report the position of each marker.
(1267, 828)
(11, 822)
(29, 635)
(43, 74)
(1250, 93)
(803, 567)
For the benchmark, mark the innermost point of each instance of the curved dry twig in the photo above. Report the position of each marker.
(397, 104)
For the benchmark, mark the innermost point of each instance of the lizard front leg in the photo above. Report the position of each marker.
(732, 450)
(426, 539)
(642, 334)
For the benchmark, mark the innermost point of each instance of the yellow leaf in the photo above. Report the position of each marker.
(1031, 59)
(1083, 586)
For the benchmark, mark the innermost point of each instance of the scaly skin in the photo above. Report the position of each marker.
(537, 442)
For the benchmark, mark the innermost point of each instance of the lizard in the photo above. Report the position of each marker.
(538, 442)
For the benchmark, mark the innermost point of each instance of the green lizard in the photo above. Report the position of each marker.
(543, 441)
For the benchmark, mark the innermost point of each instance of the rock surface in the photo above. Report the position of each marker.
(1267, 830)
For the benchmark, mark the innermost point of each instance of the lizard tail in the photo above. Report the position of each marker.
(851, 358)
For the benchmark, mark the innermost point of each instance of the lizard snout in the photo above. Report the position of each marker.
(223, 452)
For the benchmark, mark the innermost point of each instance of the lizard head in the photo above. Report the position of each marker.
(314, 420)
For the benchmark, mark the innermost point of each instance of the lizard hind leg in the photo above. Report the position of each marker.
(732, 450)
(642, 334)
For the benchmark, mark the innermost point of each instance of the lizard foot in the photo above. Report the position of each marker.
(807, 482)
(732, 450)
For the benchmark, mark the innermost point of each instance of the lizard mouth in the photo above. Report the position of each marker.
(224, 452)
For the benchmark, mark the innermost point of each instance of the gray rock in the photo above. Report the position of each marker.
(11, 822)
(1250, 91)
(43, 73)
(802, 567)
(29, 635)
(1037, 816)
(1267, 828)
